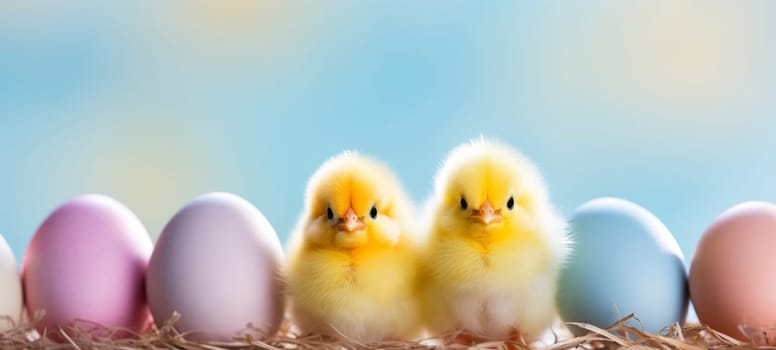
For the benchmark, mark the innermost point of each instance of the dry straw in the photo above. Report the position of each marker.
(621, 335)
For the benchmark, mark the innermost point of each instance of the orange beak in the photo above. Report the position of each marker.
(486, 214)
(350, 222)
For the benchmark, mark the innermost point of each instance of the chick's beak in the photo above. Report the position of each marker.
(487, 214)
(350, 222)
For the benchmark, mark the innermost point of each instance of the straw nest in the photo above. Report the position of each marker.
(621, 335)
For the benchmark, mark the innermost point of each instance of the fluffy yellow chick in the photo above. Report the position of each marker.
(495, 246)
(352, 264)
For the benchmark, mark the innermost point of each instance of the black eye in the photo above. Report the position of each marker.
(511, 203)
(464, 205)
(329, 213)
(373, 212)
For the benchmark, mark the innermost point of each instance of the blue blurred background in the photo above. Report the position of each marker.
(666, 103)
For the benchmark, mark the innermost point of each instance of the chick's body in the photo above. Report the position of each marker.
(495, 246)
(352, 261)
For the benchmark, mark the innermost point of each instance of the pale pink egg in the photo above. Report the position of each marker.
(733, 272)
(87, 261)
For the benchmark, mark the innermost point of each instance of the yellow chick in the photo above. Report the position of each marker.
(352, 264)
(495, 246)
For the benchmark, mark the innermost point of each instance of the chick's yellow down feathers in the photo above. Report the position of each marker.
(495, 246)
(353, 258)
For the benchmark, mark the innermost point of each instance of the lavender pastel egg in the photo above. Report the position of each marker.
(217, 263)
(87, 262)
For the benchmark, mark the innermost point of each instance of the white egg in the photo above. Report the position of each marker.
(10, 287)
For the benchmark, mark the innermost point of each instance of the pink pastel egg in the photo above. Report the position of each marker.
(87, 262)
(733, 272)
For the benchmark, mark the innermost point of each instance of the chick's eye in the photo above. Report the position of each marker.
(464, 205)
(373, 212)
(329, 213)
(511, 202)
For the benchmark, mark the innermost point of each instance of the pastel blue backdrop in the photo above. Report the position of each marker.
(669, 104)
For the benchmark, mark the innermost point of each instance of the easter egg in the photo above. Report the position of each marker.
(87, 262)
(733, 271)
(10, 288)
(624, 261)
(217, 263)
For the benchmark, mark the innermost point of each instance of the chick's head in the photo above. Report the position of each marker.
(486, 189)
(353, 202)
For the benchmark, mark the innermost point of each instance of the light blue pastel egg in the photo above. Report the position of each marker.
(624, 261)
